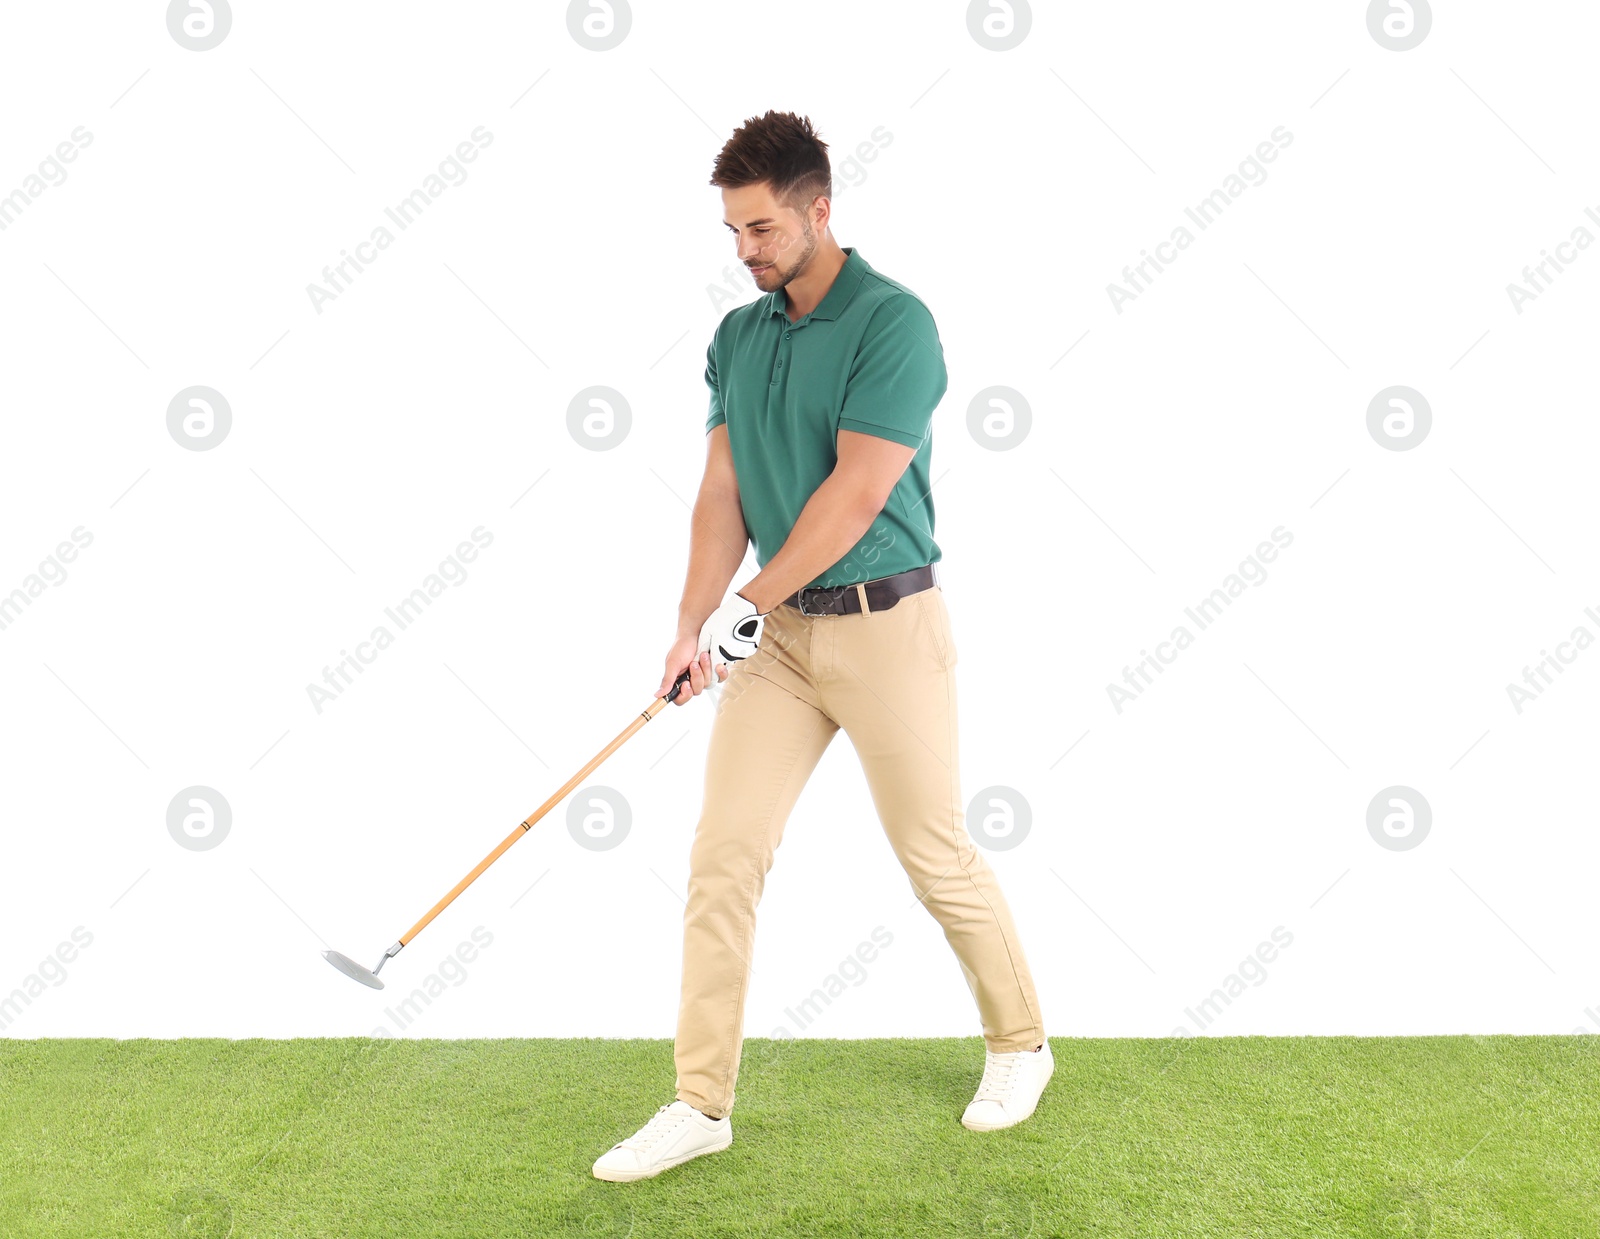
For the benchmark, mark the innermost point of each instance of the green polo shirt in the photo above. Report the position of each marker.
(867, 358)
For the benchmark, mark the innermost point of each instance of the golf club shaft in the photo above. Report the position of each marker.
(645, 716)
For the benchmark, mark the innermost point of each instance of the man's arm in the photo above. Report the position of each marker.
(718, 537)
(838, 513)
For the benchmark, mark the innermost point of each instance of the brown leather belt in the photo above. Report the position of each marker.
(882, 593)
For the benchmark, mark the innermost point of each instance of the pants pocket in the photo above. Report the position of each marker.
(936, 625)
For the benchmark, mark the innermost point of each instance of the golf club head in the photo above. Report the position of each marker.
(352, 969)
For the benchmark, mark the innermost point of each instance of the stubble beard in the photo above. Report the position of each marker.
(800, 263)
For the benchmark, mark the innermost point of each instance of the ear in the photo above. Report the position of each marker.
(821, 212)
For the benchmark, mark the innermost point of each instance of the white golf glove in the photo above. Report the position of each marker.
(731, 632)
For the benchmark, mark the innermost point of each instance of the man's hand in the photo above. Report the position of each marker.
(731, 632)
(683, 654)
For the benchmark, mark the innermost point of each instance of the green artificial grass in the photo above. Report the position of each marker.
(1318, 1136)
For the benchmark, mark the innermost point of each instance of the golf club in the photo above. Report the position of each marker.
(370, 977)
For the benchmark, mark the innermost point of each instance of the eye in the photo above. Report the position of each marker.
(763, 230)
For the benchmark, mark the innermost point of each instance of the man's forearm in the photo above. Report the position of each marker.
(717, 543)
(831, 523)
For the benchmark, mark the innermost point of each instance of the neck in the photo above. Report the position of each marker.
(805, 293)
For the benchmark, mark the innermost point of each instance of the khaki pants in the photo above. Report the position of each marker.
(888, 679)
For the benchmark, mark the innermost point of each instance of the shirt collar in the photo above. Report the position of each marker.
(838, 295)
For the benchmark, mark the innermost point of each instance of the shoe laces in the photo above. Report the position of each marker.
(661, 1124)
(999, 1075)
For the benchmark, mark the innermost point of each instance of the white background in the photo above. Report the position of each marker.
(1167, 440)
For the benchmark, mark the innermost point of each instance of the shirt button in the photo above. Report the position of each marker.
(786, 335)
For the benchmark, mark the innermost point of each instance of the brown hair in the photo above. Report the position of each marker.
(781, 149)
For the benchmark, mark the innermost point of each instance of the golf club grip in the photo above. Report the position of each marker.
(677, 685)
(561, 794)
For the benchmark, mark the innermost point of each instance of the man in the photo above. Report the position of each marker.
(822, 394)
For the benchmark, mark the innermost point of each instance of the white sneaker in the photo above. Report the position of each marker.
(677, 1133)
(1010, 1088)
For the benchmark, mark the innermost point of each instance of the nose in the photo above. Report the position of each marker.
(748, 250)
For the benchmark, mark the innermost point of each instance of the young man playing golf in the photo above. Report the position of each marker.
(822, 394)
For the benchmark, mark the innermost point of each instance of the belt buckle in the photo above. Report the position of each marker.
(821, 589)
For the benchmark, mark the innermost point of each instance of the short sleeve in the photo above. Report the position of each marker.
(898, 377)
(716, 416)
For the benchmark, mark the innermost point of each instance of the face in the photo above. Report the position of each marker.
(775, 242)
